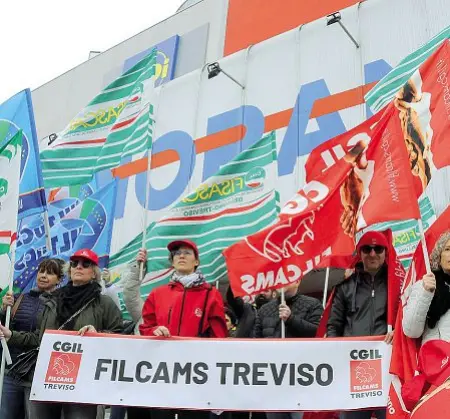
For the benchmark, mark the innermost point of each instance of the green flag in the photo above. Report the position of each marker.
(117, 123)
(238, 201)
(10, 160)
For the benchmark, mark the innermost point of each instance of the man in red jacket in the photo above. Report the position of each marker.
(187, 306)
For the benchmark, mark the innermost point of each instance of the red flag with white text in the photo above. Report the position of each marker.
(317, 227)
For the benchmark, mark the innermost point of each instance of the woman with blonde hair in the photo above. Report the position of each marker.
(427, 312)
(78, 306)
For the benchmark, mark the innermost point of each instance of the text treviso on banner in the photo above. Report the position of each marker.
(269, 375)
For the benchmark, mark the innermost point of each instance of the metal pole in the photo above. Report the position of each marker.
(6, 357)
(424, 246)
(233, 79)
(48, 239)
(325, 288)
(348, 33)
(147, 186)
(283, 326)
(147, 193)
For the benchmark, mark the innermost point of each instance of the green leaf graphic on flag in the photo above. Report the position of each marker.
(238, 201)
(116, 123)
(10, 160)
(3, 186)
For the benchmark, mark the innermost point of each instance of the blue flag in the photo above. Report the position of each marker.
(17, 113)
(75, 224)
(98, 215)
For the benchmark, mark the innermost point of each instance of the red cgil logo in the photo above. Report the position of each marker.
(365, 371)
(64, 363)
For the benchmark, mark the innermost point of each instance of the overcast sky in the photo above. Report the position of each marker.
(41, 39)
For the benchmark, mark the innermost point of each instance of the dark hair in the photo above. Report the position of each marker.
(52, 266)
(230, 313)
(440, 303)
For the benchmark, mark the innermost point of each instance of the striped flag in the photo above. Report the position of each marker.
(385, 90)
(239, 200)
(10, 159)
(117, 123)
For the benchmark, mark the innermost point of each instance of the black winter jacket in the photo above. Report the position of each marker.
(245, 313)
(25, 318)
(303, 323)
(102, 313)
(360, 305)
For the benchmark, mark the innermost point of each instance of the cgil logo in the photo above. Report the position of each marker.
(63, 367)
(366, 373)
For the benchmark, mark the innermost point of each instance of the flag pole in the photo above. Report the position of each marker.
(424, 246)
(6, 357)
(48, 241)
(147, 193)
(325, 288)
(283, 326)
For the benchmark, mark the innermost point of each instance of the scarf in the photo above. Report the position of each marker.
(441, 300)
(70, 299)
(189, 281)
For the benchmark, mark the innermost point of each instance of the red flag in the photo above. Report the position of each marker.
(434, 404)
(423, 109)
(375, 175)
(327, 154)
(405, 350)
(420, 117)
(317, 227)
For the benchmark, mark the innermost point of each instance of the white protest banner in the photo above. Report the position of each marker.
(228, 374)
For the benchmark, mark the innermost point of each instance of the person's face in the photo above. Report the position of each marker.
(267, 294)
(291, 289)
(228, 321)
(373, 258)
(184, 260)
(81, 271)
(445, 258)
(46, 281)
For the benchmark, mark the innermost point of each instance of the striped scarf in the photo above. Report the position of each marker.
(188, 281)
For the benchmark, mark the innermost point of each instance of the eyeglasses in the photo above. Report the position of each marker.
(182, 252)
(367, 249)
(84, 263)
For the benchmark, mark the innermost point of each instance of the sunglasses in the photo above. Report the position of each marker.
(182, 252)
(367, 249)
(84, 263)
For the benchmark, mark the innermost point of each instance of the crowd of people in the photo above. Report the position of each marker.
(188, 306)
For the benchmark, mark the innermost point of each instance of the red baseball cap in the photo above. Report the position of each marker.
(176, 244)
(85, 254)
(434, 368)
(372, 238)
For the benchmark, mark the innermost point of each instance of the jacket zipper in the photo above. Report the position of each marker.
(372, 323)
(181, 313)
(170, 315)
